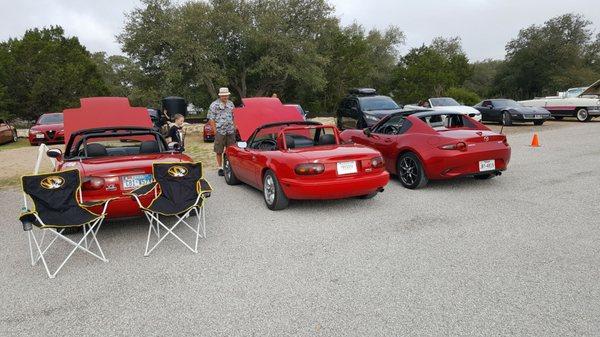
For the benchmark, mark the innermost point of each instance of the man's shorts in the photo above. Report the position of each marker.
(223, 141)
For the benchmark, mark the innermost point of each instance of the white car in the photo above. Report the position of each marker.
(447, 104)
(583, 103)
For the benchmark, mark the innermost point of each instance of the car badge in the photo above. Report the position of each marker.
(52, 182)
(111, 187)
(177, 171)
(486, 139)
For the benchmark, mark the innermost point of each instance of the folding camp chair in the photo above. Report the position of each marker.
(179, 190)
(56, 209)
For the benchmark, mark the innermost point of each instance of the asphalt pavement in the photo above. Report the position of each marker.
(515, 255)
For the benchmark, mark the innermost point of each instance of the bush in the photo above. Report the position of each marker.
(464, 96)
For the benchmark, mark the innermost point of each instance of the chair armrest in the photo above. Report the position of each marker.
(204, 188)
(144, 189)
(103, 203)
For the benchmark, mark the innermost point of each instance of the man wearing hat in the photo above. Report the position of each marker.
(220, 118)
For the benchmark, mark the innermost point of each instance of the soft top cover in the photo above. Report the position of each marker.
(104, 112)
(258, 111)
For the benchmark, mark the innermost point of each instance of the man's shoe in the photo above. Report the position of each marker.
(221, 172)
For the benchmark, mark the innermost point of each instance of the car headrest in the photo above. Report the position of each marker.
(289, 141)
(149, 146)
(327, 139)
(96, 150)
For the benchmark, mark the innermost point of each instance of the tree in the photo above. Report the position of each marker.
(483, 75)
(45, 71)
(544, 59)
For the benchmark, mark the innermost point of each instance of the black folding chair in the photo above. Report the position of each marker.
(56, 209)
(179, 190)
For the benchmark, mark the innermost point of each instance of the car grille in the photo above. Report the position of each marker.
(51, 134)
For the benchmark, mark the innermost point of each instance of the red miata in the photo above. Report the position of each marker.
(113, 146)
(434, 145)
(289, 158)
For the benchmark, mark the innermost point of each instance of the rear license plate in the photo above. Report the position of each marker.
(487, 165)
(39, 136)
(346, 167)
(538, 117)
(131, 182)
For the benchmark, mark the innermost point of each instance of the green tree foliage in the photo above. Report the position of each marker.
(544, 59)
(431, 70)
(482, 79)
(463, 95)
(45, 71)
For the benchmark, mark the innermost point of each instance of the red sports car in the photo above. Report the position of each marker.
(48, 129)
(289, 158)
(434, 145)
(113, 146)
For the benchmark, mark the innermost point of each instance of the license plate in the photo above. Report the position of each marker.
(39, 136)
(346, 167)
(538, 117)
(487, 165)
(132, 182)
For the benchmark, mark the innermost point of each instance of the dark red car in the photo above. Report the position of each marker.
(48, 129)
(435, 145)
(208, 133)
(289, 158)
(113, 145)
(7, 132)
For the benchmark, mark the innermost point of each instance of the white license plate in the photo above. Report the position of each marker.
(346, 167)
(538, 117)
(131, 182)
(39, 136)
(487, 165)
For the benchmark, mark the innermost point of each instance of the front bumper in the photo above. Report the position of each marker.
(57, 139)
(337, 188)
(530, 118)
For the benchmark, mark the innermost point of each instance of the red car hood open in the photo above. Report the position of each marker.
(258, 111)
(99, 112)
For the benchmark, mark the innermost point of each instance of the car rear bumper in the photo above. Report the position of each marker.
(123, 206)
(335, 188)
(453, 165)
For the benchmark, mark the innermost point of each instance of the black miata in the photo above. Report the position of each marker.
(507, 111)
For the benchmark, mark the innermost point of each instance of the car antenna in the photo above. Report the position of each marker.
(501, 129)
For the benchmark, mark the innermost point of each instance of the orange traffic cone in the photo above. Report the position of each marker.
(535, 141)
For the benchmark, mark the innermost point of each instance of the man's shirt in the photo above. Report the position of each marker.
(222, 114)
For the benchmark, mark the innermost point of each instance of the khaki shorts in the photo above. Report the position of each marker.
(223, 141)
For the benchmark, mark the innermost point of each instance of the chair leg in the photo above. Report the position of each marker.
(169, 231)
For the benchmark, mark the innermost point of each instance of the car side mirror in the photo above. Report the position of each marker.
(174, 146)
(367, 132)
(242, 145)
(490, 106)
(54, 153)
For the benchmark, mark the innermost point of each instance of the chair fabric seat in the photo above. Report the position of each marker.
(164, 206)
(70, 217)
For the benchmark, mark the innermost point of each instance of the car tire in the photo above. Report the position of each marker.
(273, 194)
(230, 177)
(368, 196)
(558, 118)
(484, 176)
(538, 122)
(506, 119)
(15, 137)
(410, 171)
(583, 115)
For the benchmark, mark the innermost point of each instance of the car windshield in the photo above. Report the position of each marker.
(444, 122)
(506, 103)
(51, 119)
(574, 92)
(378, 103)
(114, 144)
(296, 136)
(444, 101)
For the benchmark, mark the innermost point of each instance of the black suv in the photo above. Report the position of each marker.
(363, 107)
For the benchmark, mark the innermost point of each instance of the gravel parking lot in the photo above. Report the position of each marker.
(515, 255)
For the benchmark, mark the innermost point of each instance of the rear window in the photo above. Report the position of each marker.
(50, 119)
(115, 146)
(309, 137)
(443, 122)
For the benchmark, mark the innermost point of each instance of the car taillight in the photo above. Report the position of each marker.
(505, 141)
(93, 183)
(310, 169)
(377, 162)
(460, 146)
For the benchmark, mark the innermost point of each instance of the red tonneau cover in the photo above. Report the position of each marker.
(98, 112)
(258, 111)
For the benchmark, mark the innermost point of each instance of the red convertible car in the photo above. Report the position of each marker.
(435, 145)
(113, 145)
(48, 129)
(289, 158)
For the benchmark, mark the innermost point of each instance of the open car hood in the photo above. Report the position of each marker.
(103, 112)
(593, 89)
(258, 111)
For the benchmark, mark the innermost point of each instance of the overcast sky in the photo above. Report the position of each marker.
(483, 25)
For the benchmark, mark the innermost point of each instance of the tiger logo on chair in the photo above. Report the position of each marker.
(177, 171)
(52, 182)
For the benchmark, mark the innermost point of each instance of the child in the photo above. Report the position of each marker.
(176, 131)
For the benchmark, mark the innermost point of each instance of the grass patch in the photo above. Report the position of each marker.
(22, 142)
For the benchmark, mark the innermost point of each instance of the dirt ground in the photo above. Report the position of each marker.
(18, 159)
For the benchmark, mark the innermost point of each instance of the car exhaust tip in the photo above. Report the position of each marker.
(381, 189)
(498, 173)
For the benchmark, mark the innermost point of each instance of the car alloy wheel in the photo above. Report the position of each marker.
(15, 138)
(230, 177)
(275, 198)
(583, 115)
(269, 190)
(410, 171)
(506, 119)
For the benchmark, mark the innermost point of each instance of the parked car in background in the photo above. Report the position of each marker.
(48, 129)
(8, 133)
(363, 107)
(208, 133)
(300, 110)
(289, 158)
(448, 104)
(584, 105)
(113, 145)
(506, 111)
(434, 145)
